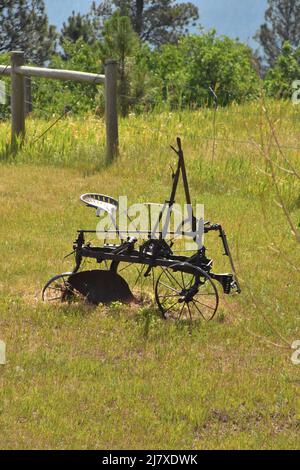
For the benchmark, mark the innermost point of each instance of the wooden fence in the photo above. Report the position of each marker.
(19, 73)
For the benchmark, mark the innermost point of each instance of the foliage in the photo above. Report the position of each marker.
(5, 108)
(282, 23)
(286, 70)
(77, 27)
(155, 21)
(171, 76)
(24, 26)
(136, 84)
(88, 27)
(202, 61)
(54, 96)
(120, 43)
(161, 21)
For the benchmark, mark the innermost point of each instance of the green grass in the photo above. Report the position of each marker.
(120, 377)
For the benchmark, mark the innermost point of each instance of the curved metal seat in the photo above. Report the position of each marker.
(100, 202)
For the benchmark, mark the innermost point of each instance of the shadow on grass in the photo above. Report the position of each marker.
(151, 321)
(147, 318)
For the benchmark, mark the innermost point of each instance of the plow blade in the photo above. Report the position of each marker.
(101, 287)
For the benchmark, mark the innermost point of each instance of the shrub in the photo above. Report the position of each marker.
(279, 79)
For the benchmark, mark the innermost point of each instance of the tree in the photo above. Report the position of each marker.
(24, 26)
(77, 27)
(282, 23)
(285, 71)
(155, 21)
(87, 27)
(120, 42)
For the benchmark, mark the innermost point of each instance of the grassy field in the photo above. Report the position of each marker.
(119, 377)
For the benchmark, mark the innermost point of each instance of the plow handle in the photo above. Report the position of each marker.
(228, 253)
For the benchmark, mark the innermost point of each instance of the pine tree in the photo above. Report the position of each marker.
(24, 26)
(282, 24)
(120, 42)
(78, 26)
(155, 21)
(87, 27)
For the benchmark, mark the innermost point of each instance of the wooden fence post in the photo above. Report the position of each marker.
(111, 111)
(28, 96)
(17, 98)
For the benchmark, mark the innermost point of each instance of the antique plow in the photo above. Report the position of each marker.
(185, 285)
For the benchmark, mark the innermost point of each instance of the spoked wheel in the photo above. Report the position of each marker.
(58, 290)
(185, 292)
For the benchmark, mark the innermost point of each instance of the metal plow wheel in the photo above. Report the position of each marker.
(184, 292)
(59, 290)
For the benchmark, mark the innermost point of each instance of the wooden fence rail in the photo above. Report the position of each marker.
(19, 72)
